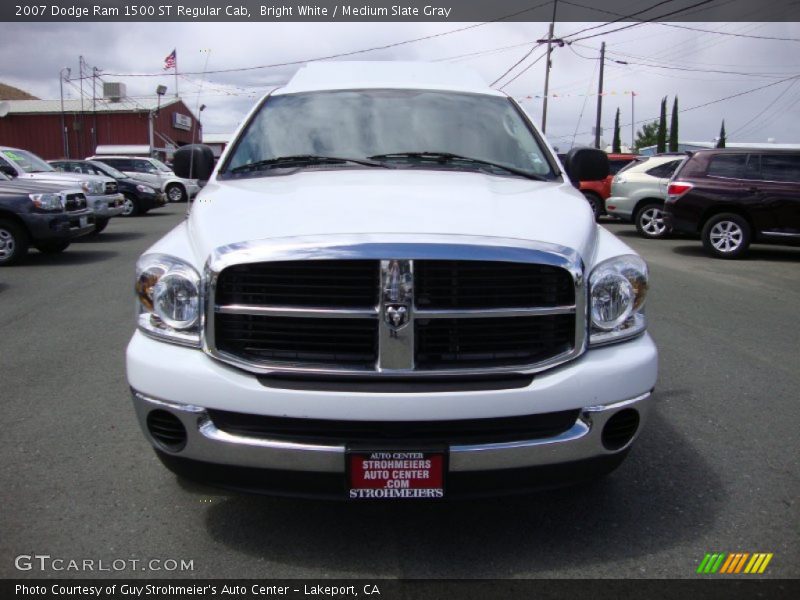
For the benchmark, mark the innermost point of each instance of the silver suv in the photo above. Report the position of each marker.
(154, 172)
(638, 192)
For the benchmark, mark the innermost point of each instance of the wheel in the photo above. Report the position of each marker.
(176, 193)
(131, 207)
(649, 221)
(726, 235)
(595, 202)
(99, 225)
(52, 247)
(13, 242)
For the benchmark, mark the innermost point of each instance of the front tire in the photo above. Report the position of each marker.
(595, 203)
(131, 207)
(649, 221)
(176, 193)
(13, 242)
(52, 247)
(726, 235)
(99, 225)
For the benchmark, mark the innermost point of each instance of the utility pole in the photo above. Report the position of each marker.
(547, 65)
(80, 136)
(600, 96)
(95, 70)
(633, 122)
(64, 138)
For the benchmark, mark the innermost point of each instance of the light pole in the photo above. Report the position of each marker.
(160, 91)
(61, 77)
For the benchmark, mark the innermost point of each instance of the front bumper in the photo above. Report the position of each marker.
(187, 383)
(107, 205)
(620, 207)
(59, 226)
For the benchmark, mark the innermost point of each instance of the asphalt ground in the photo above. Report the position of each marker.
(716, 470)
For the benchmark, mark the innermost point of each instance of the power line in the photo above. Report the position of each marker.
(644, 21)
(523, 71)
(766, 108)
(512, 67)
(690, 28)
(343, 54)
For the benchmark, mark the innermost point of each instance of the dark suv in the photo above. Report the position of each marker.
(736, 196)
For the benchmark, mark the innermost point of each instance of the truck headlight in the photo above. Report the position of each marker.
(169, 299)
(93, 187)
(47, 202)
(618, 289)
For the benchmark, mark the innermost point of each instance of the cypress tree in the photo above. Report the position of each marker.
(673, 127)
(721, 140)
(616, 145)
(662, 128)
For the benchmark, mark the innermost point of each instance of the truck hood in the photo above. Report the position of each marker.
(379, 201)
(60, 177)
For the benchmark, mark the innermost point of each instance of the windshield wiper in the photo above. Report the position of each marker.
(449, 157)
(303, 160)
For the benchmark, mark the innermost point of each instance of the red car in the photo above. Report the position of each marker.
(597, 192)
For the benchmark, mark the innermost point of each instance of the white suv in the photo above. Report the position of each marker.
(390, 289)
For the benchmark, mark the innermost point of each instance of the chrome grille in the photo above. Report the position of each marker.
(73, 202)
(413, 315)
(111, 187)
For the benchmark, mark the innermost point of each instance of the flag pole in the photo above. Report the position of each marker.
(176, 72)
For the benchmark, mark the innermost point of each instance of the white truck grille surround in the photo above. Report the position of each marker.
(402, 306)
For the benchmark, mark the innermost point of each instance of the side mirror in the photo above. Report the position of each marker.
(8, 170)
(586, 164)
(195, 161)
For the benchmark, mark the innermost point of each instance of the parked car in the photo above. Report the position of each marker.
(639, 190)
(154, 172)
(43, 215)
(733, 197)
(140, 197)
(402, 295)
(101, 192)
(596, 192)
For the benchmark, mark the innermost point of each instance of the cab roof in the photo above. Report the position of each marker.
(353, 75)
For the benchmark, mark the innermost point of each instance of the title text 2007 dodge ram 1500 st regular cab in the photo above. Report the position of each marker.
(390, 288)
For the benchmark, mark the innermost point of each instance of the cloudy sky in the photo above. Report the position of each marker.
(698, 66)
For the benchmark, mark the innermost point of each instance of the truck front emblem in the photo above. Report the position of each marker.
(396, 315)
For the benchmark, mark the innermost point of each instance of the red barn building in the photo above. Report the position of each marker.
(43, 128)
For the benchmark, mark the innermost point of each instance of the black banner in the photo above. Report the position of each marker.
(383, 589)
(398, 10)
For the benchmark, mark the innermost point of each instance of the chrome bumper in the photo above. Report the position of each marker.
(106, 206)
(206, 443)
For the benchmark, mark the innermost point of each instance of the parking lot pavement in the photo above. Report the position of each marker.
(716, 470)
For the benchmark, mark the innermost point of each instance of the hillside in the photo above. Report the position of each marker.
(8, 92)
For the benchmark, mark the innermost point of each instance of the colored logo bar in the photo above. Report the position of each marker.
(734, 563)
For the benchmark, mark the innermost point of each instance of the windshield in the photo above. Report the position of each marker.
(107, 170)
(160, 166)
(358, 124)
(30, 163)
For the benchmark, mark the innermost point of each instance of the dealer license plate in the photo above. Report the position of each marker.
(395, 474)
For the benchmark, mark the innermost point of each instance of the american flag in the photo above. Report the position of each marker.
(169, 62)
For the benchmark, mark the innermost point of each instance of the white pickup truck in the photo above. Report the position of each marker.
(390, 289)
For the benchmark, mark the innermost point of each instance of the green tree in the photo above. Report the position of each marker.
(673, 127)
(646, 136)
(616, 145)
(721, 140)
(662, 127)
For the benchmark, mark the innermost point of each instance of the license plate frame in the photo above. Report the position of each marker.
(358, 487)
